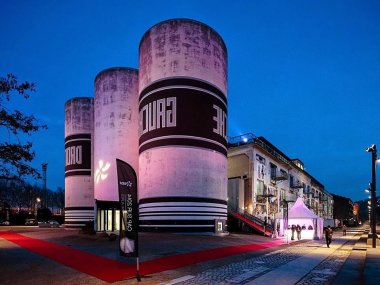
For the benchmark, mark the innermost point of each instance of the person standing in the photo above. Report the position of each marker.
(344, 229)
(293, 230)
(298, 230)
(265, 224)
(328, 234)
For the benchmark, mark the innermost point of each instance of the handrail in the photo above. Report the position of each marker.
(256, 220)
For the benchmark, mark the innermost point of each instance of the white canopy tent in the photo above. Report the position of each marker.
(312, 224)
(299, 214)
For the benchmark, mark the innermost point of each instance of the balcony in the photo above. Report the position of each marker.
(276, 176)
(296, 185)
(240, 140)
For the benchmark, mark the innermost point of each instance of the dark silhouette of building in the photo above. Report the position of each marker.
(343, 210)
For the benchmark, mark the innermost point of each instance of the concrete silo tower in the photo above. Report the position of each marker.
(115, 136)
(182, 132)
(79, 185)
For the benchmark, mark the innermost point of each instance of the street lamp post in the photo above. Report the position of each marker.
(44, 168)
(368, 191)
(372, 149)
(369, 216)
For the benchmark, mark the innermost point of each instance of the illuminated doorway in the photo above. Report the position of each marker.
(108, 216)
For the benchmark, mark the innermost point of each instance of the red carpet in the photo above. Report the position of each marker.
(110, 270)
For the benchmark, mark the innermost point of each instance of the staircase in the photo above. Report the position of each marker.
(253, 222)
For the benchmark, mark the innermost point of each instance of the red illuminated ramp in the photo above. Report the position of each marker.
(250, 222)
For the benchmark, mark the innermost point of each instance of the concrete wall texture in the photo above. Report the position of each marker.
(115, 127)
(169, 121)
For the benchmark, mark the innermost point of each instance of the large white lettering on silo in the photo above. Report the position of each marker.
(158, 114)
(78, 155)
(196, 116)
(73, 155)
(220, 119)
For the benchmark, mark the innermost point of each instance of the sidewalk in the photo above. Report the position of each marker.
(301, 263)
(362, 266)
(347, 261)
(290, 273)
(372, 267)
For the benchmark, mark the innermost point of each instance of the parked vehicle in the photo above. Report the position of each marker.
(4, 223)
(49, 224)
(53, 224)
(31, 222)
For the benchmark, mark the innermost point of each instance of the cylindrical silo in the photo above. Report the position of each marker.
(183, 117)
(79, 185)
(115, 136)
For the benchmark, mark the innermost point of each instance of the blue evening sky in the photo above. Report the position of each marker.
(303, 74)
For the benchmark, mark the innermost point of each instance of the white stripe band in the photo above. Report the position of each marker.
(183, 137)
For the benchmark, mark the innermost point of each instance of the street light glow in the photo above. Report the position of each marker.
(371, 148)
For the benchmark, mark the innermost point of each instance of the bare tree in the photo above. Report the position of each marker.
(15, 157)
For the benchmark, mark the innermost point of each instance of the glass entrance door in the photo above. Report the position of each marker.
(108, 217)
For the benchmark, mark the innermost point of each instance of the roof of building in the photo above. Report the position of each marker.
(266, 145)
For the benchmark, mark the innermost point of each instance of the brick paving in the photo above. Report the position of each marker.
(249, 271)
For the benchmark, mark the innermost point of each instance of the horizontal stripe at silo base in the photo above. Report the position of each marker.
(181, 214)
(78, 216)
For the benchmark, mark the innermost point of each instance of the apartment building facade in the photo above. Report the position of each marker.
(263, 181)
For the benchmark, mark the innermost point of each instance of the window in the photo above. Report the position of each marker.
(291, 180)
(273, 171)
(260, 166)
(260, 187)
(282, 194)
(260, 170)
(260, 159)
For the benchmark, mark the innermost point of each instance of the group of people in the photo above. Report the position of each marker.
(298, 229)
(328, 233)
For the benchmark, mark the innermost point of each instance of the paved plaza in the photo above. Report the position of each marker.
(348, 260)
